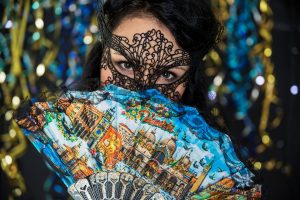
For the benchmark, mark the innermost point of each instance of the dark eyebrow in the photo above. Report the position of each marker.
(133, 61)
(116, 52)
(181, 67)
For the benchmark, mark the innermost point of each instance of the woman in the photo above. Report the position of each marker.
(186, 26)
(160, 44)
(154, 44)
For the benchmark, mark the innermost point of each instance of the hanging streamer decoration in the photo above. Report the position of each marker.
(43, 45)
(242, 71)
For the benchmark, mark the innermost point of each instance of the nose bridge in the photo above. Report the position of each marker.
(147, 74)
(146, 69)
(149, 63)
(143, 76)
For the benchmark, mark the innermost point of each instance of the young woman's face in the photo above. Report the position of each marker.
(144, 54)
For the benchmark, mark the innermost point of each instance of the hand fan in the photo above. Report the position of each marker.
(165, 149)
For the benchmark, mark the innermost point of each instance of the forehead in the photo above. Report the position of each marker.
(131, 25)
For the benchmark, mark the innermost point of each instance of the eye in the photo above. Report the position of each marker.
(126, 68)
(168, 75)
(171, 75)
(121, 64)
(125, 65)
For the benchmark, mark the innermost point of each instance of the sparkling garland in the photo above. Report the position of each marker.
(43, 45)
(242, 71)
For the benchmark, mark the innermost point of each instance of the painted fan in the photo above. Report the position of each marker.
(164, 145)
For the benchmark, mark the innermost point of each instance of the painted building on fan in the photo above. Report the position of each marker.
(89, 123)
(71, 158)
(154, 159)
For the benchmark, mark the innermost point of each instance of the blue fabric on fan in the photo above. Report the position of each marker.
(143, 133)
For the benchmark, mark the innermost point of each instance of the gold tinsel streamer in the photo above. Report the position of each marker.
(266, 26)
(14, 141)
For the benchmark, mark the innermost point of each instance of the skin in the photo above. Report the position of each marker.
(140, 23)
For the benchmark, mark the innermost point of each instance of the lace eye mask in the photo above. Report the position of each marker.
(149, 58)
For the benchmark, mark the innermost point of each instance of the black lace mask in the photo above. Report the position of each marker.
(148, 58)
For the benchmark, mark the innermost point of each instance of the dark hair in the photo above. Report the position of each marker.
(193, 25)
